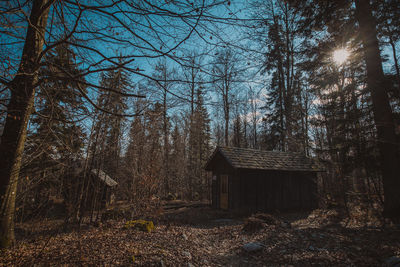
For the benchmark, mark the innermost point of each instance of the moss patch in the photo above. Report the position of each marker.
(142, 225)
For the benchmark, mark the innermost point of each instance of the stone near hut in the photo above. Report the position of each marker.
(253, 247)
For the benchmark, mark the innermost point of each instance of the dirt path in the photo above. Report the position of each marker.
(200, 236)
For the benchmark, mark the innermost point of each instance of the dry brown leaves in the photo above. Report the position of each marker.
(205, 237)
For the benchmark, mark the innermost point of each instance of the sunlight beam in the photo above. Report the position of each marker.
(340, 56)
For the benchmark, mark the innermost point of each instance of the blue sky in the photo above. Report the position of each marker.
(142, 32)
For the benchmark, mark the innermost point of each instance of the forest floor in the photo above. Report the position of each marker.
(197, 235)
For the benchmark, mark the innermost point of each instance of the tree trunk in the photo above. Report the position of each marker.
(19, 109)
(226, 123)
(226, 110)
(165, 133)
(396, 64)
(382, 112)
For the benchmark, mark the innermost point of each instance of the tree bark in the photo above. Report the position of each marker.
(226, 115)
(19, 109)
(165, 133)
(388, 147)
(396, 64)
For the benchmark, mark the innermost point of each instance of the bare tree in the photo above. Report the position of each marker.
(225, 71)
(253, 101)
(92, 29)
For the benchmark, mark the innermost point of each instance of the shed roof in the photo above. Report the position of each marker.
(104, 177)
(244, 158)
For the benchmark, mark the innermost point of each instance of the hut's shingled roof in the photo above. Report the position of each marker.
(104, 177)
(243, 158)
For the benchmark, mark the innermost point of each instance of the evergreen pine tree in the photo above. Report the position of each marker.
(56, 138)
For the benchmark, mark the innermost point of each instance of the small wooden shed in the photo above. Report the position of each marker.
(259, 180)
(104, 189)
(96, 186)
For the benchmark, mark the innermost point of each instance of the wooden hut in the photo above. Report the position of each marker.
(259, 180)
(104, 188)
(95, 186)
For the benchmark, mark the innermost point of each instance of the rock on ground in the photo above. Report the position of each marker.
(253, 247)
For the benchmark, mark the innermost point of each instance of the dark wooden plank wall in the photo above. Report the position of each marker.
(264, 190)
(235, 192)
(275, 190)
(214, 192)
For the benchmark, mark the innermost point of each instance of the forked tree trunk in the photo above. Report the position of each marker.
(19, 109)
(388, 147)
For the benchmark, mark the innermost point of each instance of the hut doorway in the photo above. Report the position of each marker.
(224, 192)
